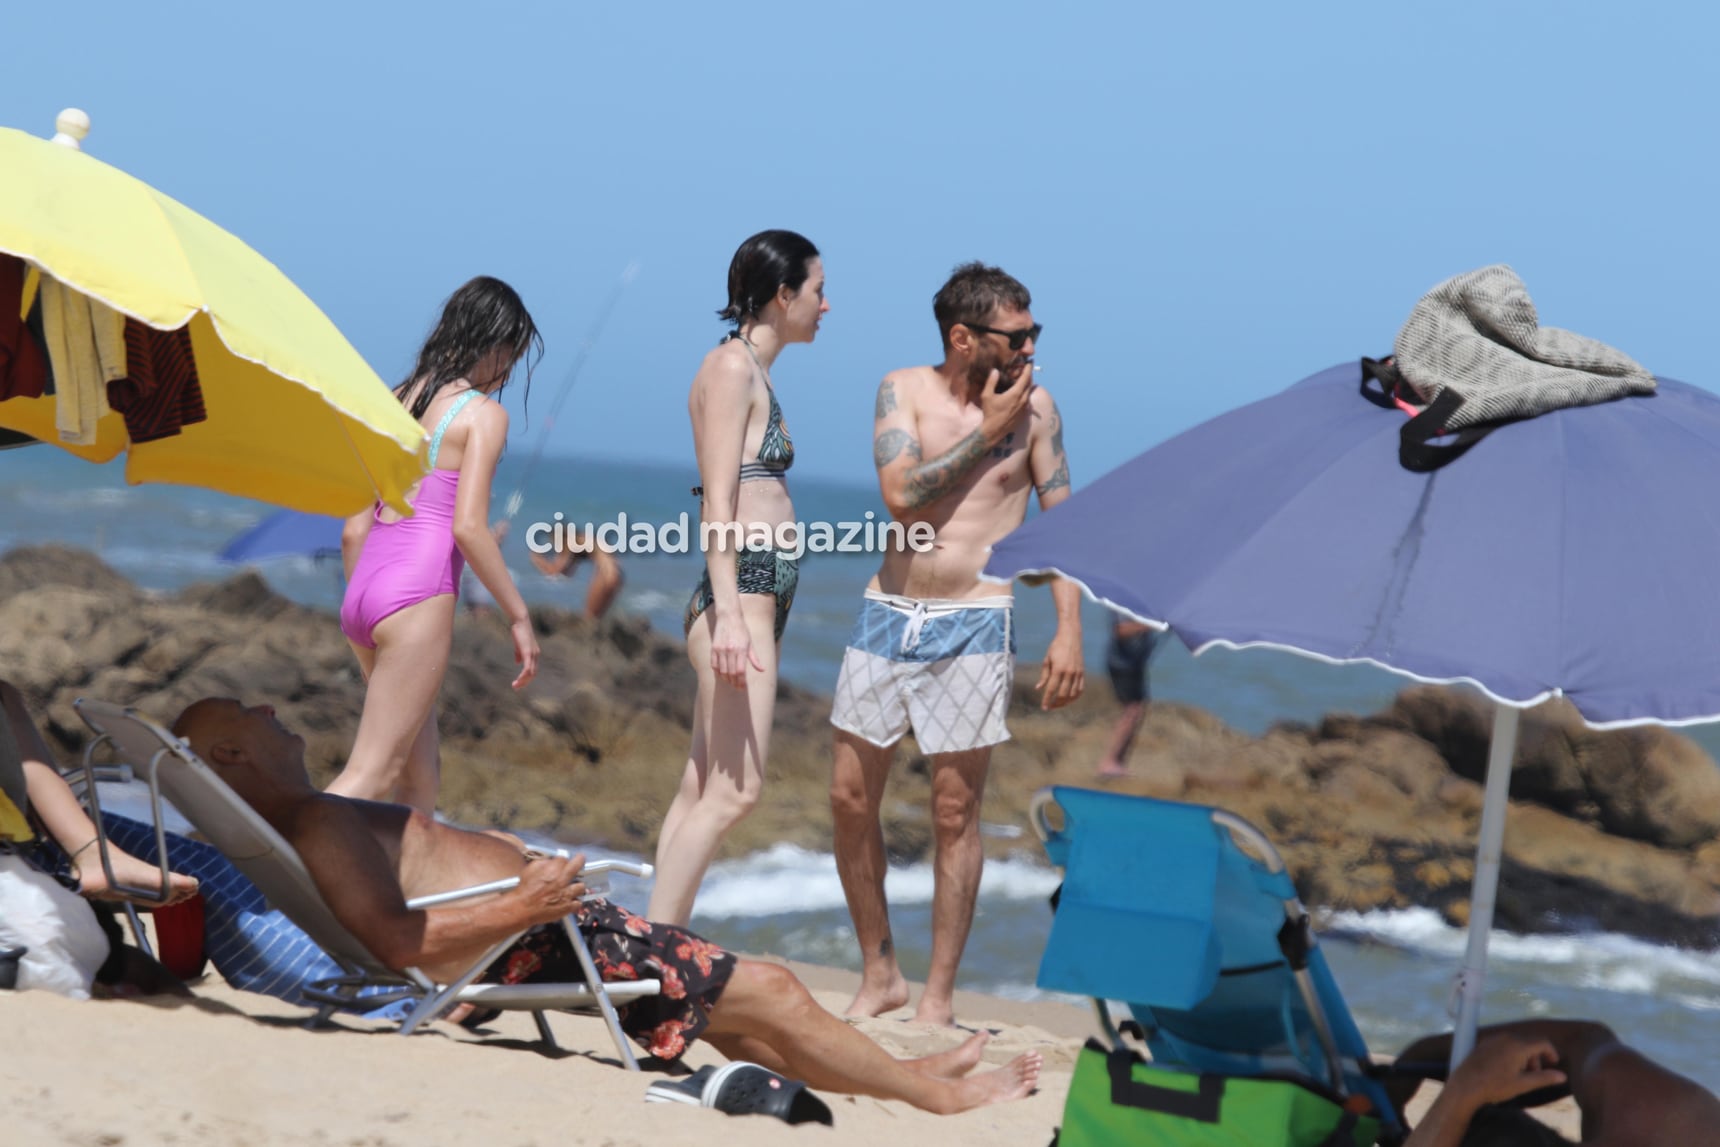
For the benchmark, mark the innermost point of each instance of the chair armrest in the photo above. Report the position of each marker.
(437, 898)
(458, 894)
(629, 867)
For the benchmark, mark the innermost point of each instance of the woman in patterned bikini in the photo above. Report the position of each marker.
(735, 619)
(403, 574)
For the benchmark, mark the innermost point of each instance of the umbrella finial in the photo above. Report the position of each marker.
(71, 126)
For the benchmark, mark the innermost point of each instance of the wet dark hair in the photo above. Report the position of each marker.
(484, 314)
(1509, 1127)
(972, 293)
(764, 263)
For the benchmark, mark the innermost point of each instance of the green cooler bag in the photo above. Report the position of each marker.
(1117, 1100)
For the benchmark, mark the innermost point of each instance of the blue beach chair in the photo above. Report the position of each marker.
(1186, 914)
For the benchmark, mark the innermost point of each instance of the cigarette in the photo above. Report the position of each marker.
(1037, 368)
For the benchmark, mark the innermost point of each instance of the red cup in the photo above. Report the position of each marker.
(179, 937)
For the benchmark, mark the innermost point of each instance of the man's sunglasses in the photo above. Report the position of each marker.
(1017, 338)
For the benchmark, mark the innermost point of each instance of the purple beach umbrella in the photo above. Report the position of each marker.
(1572, 554)
(286, 533)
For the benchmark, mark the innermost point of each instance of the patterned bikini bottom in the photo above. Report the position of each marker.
(762, 571)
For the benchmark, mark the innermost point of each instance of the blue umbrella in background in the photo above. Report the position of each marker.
(287, 533)
(1572, 554)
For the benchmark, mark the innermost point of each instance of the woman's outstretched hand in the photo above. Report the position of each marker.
(525, 651)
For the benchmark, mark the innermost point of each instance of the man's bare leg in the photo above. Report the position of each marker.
(958, 783)
(1116, 760)
(951, 1064)
(857, 779)
(767, 1004)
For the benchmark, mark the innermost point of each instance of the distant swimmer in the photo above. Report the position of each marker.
(736, 616)
(403, 574)
(606, 578)
(1126, 657)
(960, 446)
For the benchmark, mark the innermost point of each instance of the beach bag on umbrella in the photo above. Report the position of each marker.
(1473, 356)
(1118, 1100)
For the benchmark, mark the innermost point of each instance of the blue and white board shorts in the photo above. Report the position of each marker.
(942, 668)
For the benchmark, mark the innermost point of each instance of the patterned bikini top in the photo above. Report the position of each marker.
(776, 449)
(775, 452)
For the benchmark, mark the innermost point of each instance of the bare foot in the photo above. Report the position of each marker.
(128, 870)
(871, 1001)
(954, 1063)
(940, 1013)
(1014, 1080)
(1111, 770)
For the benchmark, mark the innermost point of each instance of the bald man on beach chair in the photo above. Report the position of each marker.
(368, 858)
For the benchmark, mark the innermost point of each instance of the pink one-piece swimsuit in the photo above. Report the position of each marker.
(410, 560)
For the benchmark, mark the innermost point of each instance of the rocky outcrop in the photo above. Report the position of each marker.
(1616, 830)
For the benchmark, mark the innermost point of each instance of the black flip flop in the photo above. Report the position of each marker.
(742, 1088)
(478, 1017)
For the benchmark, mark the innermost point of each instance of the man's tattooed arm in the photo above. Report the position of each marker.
(886, 401)
(889, 445)
(930, 481)
(912, 482)
(1058, 461)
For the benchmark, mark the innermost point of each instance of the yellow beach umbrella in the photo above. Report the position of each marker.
(295, 416)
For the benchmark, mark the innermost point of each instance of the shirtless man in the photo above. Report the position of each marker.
(606, 577)
(959, 446)
(368, 858)
(1626, 1098)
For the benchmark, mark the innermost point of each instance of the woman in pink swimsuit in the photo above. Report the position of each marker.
(403, 574)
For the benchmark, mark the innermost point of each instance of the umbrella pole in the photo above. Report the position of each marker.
(1472, 978)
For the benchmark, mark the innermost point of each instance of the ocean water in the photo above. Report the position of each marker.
(1395, 968)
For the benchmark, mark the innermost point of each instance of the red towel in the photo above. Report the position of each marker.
(160, 393)
(23, 366)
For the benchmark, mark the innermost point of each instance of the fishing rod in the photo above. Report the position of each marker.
(517, 498)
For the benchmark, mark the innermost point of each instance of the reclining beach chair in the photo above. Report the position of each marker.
(171, 770)
(1185, 915)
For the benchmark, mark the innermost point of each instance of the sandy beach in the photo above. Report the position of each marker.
(238, 1069)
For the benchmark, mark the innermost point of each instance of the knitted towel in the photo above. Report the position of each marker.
(1477, 334)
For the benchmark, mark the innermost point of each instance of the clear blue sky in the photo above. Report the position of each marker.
(1208, 201)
